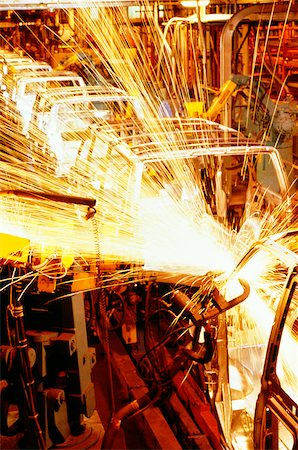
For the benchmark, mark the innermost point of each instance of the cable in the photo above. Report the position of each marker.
(161, 342)
(26, 288)
(103, 313)
(127, 411)
(23, 277)
(154, 363)
(54, 277)
(26, 376)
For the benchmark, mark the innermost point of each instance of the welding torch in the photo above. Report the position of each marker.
(62, 198)
(199, 314)
(217, 304)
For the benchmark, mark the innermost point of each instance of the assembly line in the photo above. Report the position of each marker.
(149, 225)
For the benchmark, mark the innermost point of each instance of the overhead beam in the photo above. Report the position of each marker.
(19, 5)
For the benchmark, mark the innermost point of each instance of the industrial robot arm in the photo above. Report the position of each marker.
(69, 199)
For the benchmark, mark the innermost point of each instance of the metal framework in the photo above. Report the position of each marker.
(61, 4)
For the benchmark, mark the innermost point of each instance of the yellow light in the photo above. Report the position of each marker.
(215, 17)
(14, 248)
(194, 4)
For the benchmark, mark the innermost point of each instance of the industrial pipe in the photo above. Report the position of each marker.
(36, 195)
(122, 414)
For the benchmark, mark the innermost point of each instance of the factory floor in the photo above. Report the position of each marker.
(128, 436)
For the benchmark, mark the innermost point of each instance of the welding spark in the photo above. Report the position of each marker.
(120, 52)
(158, 215)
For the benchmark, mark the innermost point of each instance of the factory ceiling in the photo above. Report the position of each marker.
(65, 4)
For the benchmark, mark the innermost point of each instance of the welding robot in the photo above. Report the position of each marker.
(46, 364)
(193, 381)
(164, 365)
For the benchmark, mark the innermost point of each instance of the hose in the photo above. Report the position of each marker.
(124, 413)
(27, 379)
(153, 395)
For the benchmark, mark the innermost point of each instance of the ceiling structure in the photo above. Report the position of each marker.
(56, 4)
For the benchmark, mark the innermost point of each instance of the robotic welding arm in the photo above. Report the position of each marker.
(53, 390)
(62, 198)
(216, 304)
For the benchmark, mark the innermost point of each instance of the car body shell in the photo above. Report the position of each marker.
(64, 113)
(26, 84)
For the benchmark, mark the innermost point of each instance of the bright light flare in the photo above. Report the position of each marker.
(163, 231)
(250, 324)
(174, 242)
